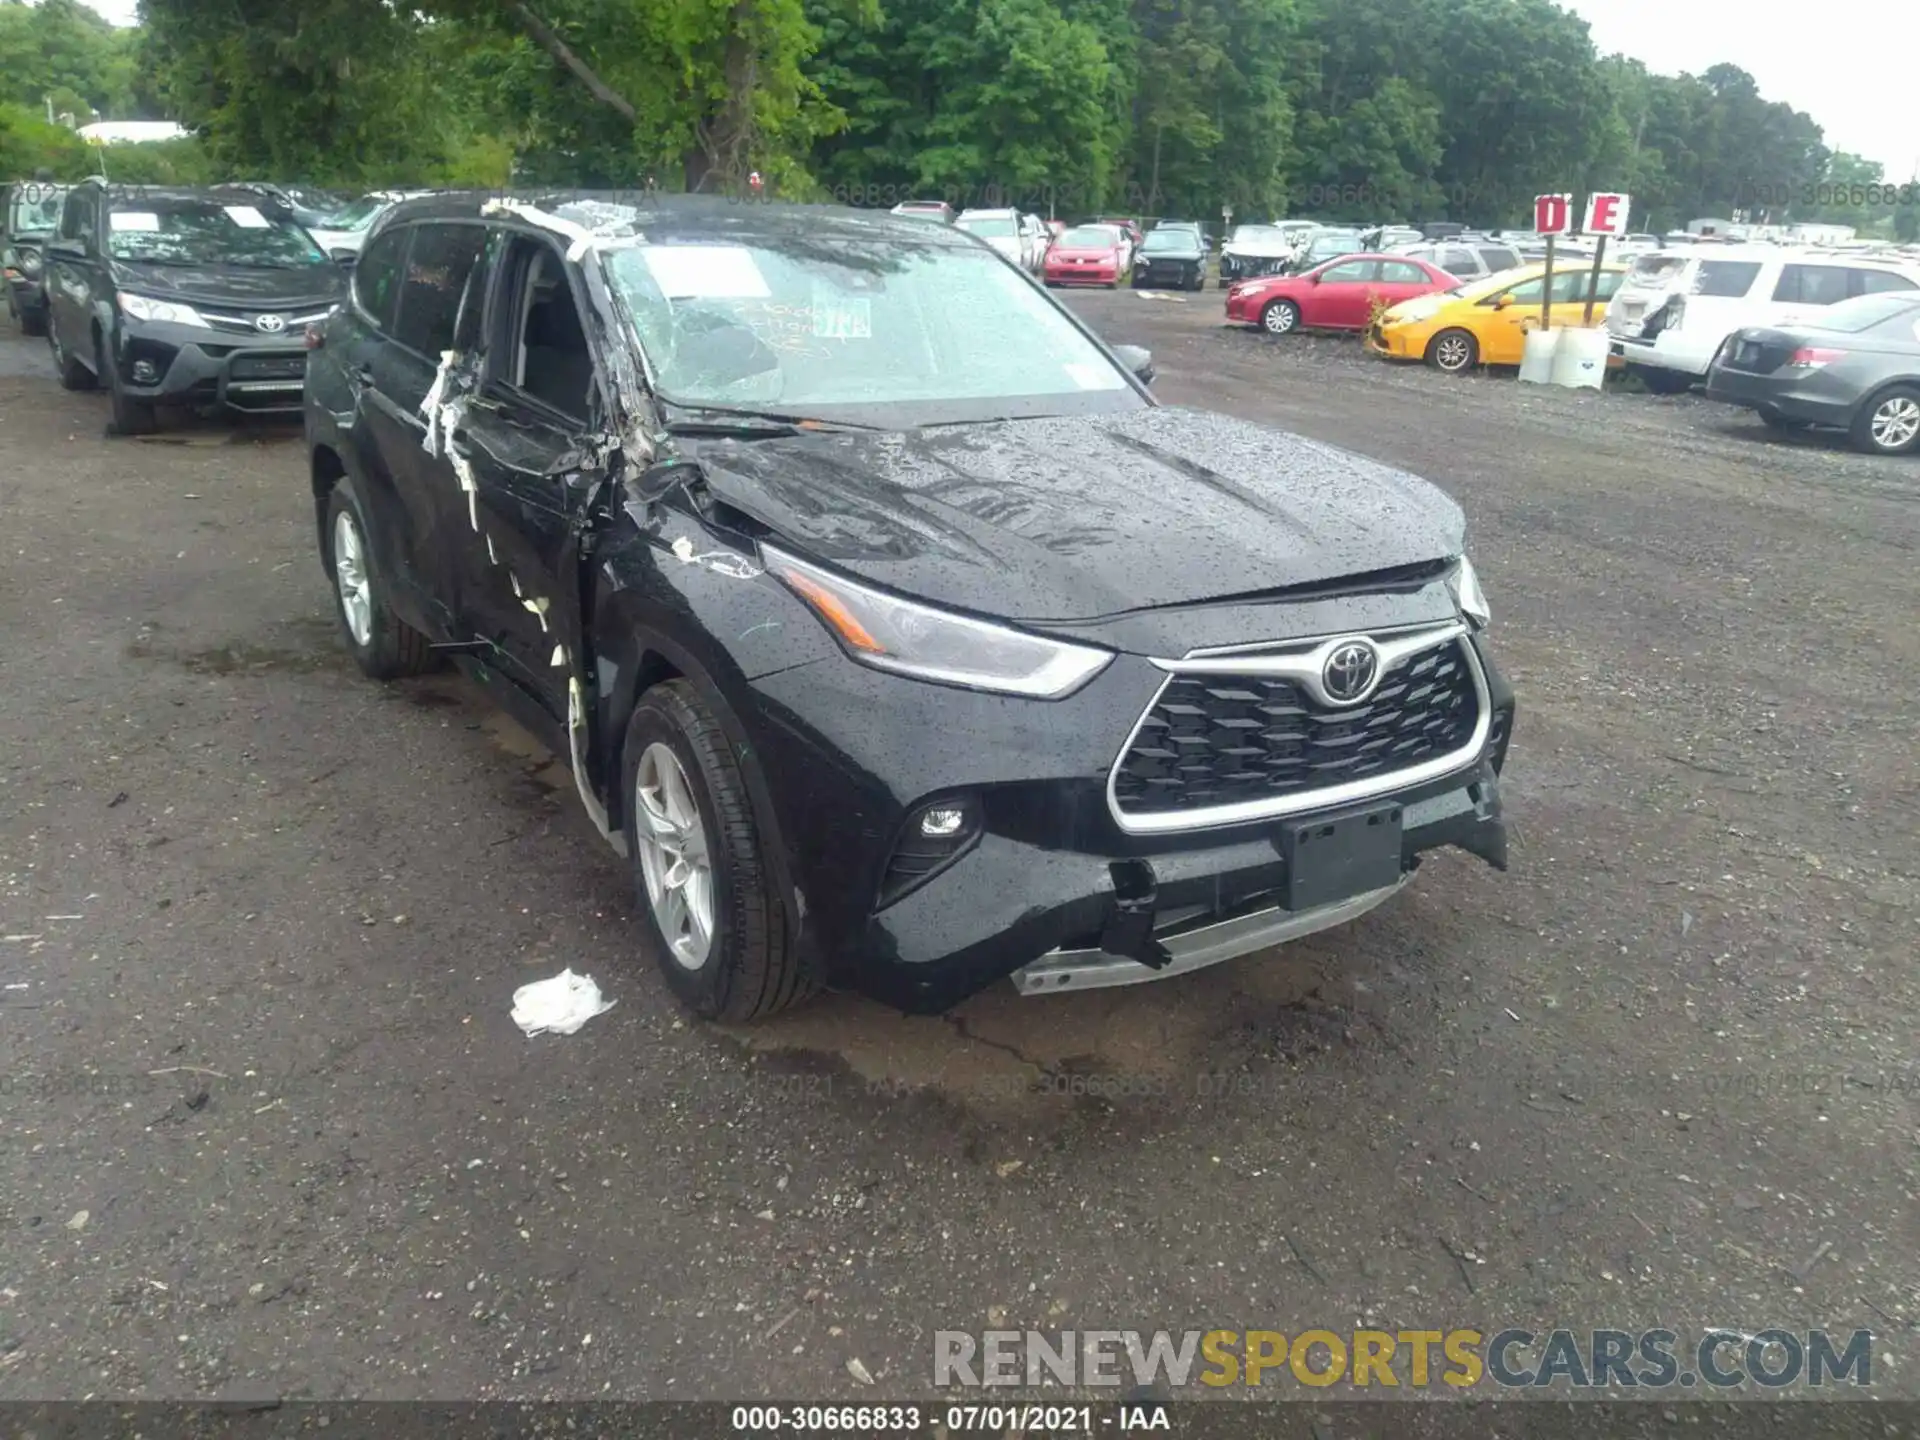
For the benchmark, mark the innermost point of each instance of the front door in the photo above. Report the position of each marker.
(72, 267)
(523, 440)
(1339, 301)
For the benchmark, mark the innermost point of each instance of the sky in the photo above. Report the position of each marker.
(1851, 72)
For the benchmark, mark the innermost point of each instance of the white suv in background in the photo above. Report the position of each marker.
(1005, 230)
(1677, 307)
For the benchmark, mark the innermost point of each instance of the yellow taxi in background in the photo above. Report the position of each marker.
(1484, 322)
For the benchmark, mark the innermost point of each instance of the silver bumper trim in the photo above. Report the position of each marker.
(1193, 949)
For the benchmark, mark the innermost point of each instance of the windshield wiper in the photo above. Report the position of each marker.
(731, 420)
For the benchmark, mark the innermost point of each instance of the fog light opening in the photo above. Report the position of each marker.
(145, 372)
(935, 835)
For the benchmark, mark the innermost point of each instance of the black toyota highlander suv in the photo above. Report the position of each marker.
(193, 299)
(893, 632)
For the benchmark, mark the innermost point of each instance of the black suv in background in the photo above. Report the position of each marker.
(29, 211)
(892, 631)
(191, 298)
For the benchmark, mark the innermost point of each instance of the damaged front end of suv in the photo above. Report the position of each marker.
(901, 657)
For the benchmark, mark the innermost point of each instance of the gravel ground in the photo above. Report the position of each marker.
(269, 1130)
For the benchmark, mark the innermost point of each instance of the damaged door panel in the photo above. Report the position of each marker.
(441, 264)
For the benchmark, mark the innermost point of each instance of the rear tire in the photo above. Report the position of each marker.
(33, 323)
(1662, 381)
(384, 646)
(1889, 422)
(747, 967)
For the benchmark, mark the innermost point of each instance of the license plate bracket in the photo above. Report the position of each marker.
(1337, 857)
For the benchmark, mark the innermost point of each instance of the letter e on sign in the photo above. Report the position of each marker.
(1552, 214)
(1606, 215)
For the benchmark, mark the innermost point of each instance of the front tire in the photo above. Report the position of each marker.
(1453, 352)
(384, 646)
(33, 323)
(131, 416)
(717, 930)
(1282, 317)
(1889, 423)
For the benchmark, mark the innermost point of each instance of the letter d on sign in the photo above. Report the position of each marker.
(1606, 215)
(1552, 214)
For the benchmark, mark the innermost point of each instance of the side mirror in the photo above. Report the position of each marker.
(1139, 361)
(1502, 302)
(344, 256)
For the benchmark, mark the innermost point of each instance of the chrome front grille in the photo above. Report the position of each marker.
(1238, 737)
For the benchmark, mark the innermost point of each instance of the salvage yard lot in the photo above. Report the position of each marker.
(269, 1129)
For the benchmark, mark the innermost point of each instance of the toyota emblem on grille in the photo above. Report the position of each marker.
(1350, 671)
(269, 324)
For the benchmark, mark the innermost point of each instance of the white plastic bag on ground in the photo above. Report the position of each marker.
(558, 1006)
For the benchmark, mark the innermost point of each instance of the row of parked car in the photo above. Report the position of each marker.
(1805, 336)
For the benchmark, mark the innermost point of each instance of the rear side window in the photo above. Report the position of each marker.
(376, 278)
(1456, 261)
(1399, 272)
(1726, 279)
(438, 265)
(1498, 257)
(1812, 285)
(1876, 282)
(1657, 269)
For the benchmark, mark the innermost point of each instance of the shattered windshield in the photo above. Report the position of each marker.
(206, 232)
(901, 333)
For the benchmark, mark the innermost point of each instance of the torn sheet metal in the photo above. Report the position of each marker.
(436, 399)
(576, 748)
(721, 562)
(580, 239)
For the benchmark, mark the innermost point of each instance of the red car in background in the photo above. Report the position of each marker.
(1085, 255)
(1342, 294)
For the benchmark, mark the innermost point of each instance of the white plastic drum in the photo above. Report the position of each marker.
(1580, 360)
(1536, 356)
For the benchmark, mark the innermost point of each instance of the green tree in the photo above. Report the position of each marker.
(64, 50)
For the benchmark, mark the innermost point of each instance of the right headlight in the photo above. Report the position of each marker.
(1468, 595)
(164, 311)
(908, 638)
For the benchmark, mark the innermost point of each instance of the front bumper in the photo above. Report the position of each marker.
(194, 367)
(1397, 342)
(1817, 397)
(1083, 275)
(1051, 892)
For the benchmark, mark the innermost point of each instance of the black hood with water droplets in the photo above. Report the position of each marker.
(1072, 518)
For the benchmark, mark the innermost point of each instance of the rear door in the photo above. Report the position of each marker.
(442, 268)
(524, 436)
(1401, 280)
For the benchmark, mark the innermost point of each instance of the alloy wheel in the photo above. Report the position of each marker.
(1452, 353)
(1896, 420)
(674, 860)
(1279, 318)
(350, 577)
